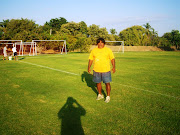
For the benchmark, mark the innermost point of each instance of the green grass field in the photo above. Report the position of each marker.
(54, 94)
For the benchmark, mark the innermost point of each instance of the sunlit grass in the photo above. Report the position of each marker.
(145, 95)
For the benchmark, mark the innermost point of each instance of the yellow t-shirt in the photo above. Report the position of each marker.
(101, 59)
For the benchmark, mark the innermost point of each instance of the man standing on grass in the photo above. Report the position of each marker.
(101, 56)
(15, 53)
(5, 52)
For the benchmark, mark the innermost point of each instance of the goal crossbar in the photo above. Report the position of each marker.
(64, 45)
(122, 43)
(11, 40)
(32, 47)
(8, 43)
(15, 41)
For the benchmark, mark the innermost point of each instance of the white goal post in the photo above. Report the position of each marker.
(119, 47)
(27, 48)
(21, 47)
(30, 48)
(12, 42)
(64, 44)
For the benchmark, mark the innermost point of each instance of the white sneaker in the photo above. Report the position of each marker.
(99, 97)
(107, 99)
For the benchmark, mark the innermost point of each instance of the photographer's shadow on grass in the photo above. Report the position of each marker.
(88, 78)
(70, 115)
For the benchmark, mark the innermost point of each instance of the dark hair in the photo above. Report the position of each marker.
(100, 39)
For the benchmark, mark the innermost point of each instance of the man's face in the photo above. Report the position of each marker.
(100, 45)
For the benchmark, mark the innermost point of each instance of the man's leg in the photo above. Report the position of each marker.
(99, 87)
(108, 89)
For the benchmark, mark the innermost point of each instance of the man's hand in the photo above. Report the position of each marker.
(89, 70)
(113, 70)
(113, 64)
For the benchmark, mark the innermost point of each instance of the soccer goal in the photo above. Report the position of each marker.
(116, 46)
(10, 44)
(58, 46)
(26, 48)
(22, 48)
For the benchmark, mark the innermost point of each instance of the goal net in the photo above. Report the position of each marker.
(50, 46)
(115, 46)
(22, 48)
(26, 48)
(11, 44)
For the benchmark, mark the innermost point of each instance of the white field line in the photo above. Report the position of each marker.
(49, 68)
(112, 82)
(150, 91)
(45, 56)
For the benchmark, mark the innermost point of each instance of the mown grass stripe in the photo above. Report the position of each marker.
(149, 91)
(112, 82)
(49, 68)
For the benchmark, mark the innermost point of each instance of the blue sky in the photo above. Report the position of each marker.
(162, 15)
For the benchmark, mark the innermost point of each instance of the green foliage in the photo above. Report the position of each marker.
(83, 43)
(148, 27)
(173, 38)
(71, 28)
(4, 23)
(154, 38)
(164, 42)
(113, 31)
(134, 36)
(1, 32)
(79, 35)
(20, 29)
(168, 36)
(71, 43)
(56, 23)
(83, 27)
(94, 32)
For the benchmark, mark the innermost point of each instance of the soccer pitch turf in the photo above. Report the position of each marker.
(54, 94)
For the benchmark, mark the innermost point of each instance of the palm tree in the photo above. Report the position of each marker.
(3, 26)
(148, 27)
(113, 31)
(4, 23)
(175, 38)
(154, 35)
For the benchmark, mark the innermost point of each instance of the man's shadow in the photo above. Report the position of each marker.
(70, 115)
(88, 78)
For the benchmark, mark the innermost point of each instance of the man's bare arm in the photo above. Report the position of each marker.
(89, 66)
(113, 64)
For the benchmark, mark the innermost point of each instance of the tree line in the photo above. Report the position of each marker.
(80, 36)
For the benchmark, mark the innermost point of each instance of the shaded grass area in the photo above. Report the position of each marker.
(36, 100)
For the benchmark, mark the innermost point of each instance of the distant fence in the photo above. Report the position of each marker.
(139, 48)
(113, 48)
